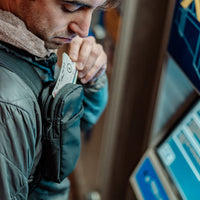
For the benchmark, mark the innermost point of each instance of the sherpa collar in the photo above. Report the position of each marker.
(14, 31)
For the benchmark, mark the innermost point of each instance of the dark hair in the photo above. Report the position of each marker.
(111, 4)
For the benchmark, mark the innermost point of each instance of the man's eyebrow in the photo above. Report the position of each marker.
(78, 3)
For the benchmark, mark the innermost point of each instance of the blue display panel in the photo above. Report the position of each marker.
(180, 154)
(149, 183)
(184, 43)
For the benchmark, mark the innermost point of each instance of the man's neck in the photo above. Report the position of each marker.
(7, 5)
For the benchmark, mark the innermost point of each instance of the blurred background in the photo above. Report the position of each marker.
(153, 66)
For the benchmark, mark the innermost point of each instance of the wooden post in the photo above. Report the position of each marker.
(134, 86)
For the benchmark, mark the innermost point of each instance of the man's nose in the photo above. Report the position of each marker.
(81, 24)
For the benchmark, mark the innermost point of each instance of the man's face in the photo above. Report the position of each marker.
(57, 21)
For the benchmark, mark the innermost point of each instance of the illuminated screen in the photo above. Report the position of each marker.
(184, 43)
(180, 154)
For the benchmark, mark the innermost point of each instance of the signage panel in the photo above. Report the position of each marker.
(148, 182)
(184, 42)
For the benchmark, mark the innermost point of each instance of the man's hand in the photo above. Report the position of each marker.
(90, 58)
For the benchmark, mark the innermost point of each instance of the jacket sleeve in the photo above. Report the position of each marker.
(16, 152)
(48, 190)
(95, 101)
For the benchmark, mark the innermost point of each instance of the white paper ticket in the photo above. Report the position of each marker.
(68, 74)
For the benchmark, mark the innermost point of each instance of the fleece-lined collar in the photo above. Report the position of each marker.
(14, 31)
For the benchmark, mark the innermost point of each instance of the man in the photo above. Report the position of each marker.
(31, 29)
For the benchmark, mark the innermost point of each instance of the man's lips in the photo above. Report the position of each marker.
(63, 40)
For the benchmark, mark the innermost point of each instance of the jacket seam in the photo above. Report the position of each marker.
(11, 163)
(13, 196)
(16, 107)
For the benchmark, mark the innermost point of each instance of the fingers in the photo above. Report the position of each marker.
(97, 75)
(86, 55)
(94, 70)
(74, 47)
(90, 58)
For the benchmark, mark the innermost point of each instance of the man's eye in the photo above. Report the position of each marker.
(70, 7)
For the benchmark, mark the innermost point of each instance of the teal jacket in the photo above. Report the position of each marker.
(21, 129)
